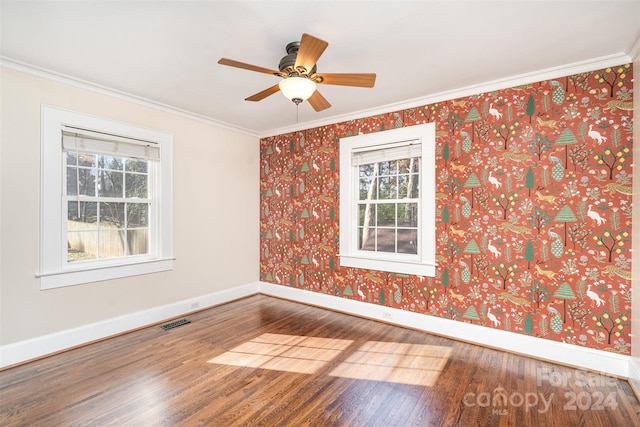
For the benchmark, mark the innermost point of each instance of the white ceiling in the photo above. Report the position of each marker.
(167, 51)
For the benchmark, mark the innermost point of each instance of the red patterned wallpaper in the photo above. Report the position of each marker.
(533, 211)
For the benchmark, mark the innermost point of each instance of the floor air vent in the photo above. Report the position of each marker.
(175, 324)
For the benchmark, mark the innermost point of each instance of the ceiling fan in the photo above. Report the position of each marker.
(299, 74)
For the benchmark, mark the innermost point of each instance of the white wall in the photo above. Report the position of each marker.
(216, 212)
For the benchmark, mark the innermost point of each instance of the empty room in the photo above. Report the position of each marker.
(319, 213)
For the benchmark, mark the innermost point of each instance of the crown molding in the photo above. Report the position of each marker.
(522, 79)
(519, 80)
(32, 70)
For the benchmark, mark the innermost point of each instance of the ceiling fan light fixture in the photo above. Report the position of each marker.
(297, 89)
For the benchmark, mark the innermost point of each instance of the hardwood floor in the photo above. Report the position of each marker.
(262, 361)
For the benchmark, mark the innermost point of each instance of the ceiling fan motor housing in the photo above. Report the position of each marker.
(288, 62)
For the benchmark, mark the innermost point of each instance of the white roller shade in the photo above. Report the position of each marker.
(386, 153)
(82, 140)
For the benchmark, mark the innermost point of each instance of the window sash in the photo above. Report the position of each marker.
(100, 231)
(372, 235)
(357, 203)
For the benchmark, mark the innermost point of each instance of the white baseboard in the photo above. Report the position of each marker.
(552, 351)
(26, 350)
(556, 352)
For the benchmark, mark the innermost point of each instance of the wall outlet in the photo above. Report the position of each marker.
(195, 305)
(387, 315)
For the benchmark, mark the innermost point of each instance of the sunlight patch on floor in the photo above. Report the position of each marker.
(414, 364)
(289, 353)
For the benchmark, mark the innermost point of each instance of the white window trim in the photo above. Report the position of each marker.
(54, 271)
(423, 264)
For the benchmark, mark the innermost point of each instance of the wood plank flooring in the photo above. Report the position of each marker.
(262, 361)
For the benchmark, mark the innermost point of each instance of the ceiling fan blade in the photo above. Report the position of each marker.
(238, 64)
(318, 102)
(309, 51)
(360, 80)
(262, 95)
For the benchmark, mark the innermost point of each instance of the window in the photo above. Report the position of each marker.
(387, 200)
(106, 199)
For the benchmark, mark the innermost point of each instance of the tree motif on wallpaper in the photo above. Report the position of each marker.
(533, 205)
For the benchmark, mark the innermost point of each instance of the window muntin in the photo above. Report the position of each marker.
(387, 200)
(110, 182)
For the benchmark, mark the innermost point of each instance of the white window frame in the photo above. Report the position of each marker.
(55, 271)
(422, 264)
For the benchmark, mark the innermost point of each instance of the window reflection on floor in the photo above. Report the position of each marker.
(290, 353)
(413, 364)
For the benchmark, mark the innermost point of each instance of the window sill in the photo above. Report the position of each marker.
(62, 278)
(393, 266)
